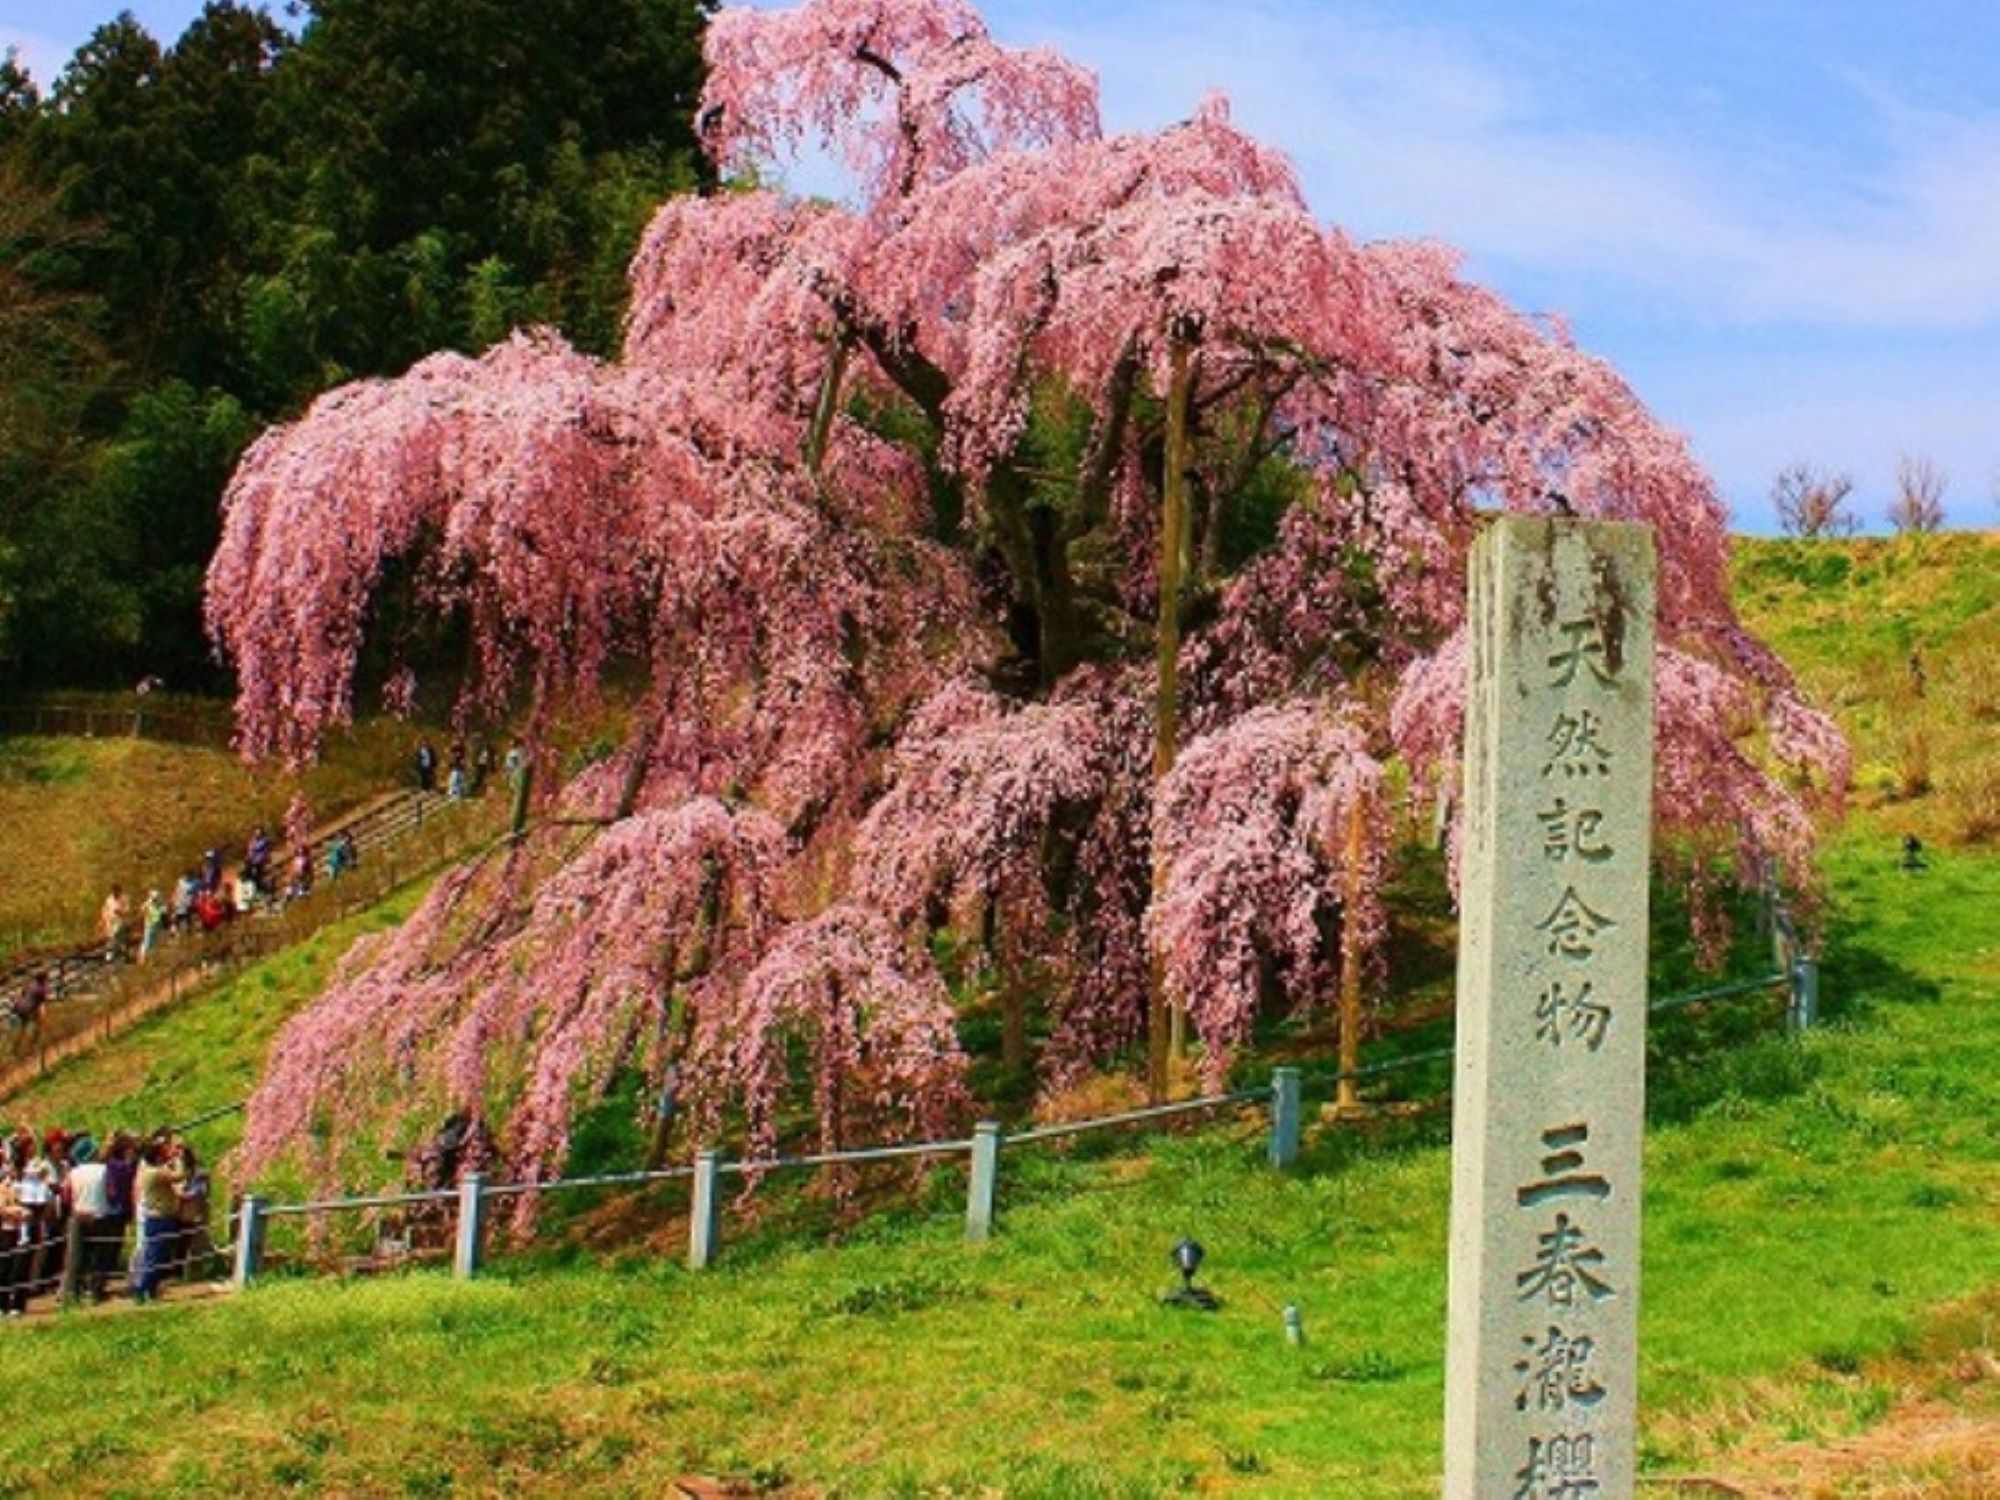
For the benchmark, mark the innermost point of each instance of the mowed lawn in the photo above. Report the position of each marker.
(1821, 1226)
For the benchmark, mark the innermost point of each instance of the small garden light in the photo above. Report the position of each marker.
(1187, 1258)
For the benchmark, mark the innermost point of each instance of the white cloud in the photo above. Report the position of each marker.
(1403, 128)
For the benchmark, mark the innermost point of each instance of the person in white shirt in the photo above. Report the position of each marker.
(90, 1202)
(27, 1237)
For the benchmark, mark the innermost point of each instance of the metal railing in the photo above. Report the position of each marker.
(474, 1193)
(1283, 1098)
(458, 1216)
(79, 1258)
(93, 995)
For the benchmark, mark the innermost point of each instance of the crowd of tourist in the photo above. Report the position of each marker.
(209, 894)
(78, 1215)
(206, 896)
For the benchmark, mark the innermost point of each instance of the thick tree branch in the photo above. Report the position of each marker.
(1100, 466)
(907, 367)
(867, 54)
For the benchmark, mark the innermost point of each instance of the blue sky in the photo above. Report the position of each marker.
(1779, 218)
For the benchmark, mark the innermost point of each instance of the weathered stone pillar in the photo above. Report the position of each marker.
(705, 1215)
(983, 1187)
(1549, 1093)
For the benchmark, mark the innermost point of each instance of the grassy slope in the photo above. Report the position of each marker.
(80, 814)
(1852, 617)
(1813, 1215)
(1820, 1219)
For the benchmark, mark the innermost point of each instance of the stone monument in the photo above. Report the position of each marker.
(1549, 1089)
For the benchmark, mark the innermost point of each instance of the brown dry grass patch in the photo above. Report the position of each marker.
(1938, 1437)
(78, 815)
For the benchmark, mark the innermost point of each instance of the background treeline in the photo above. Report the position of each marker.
(196, 239)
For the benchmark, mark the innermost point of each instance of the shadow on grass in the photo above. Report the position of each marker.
(1856, 978)
(1763, 1070)
(1333, 1147)
(1735, 1052)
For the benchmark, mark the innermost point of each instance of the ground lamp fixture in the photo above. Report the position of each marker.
(1187, 1257)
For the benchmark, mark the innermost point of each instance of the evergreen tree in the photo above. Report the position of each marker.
(52, 369)
(248, 217)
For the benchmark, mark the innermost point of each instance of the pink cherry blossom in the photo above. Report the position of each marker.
(866, 522)
(1251, 828)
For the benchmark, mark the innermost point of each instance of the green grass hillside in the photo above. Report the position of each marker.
(1900, 638)
(80, 814)
(1822, 1253)
(1820, 1233)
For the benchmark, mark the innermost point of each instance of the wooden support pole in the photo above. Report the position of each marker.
(1166, 1025)
(518, 816)
(1347, 1097)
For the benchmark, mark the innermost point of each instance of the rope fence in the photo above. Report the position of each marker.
(1282, 1099)
(1136, 1116)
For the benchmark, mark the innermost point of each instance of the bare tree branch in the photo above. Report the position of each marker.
(1919, 503)
(1812, 504)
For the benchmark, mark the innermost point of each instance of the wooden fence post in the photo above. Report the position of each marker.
(985, 1184)
(1284, 1117)
(471, 1226)
(249, 1241)
(705, 1223)
(517, 817)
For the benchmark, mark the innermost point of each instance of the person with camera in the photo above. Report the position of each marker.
(158, 1190)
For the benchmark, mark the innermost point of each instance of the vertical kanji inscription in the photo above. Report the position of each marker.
(1549, 1098)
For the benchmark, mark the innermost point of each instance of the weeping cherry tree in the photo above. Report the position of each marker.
(1060, 544)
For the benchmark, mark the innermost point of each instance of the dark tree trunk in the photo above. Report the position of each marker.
(1164, 1025)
